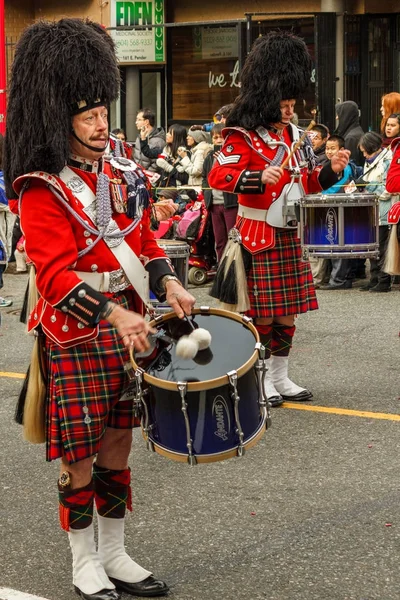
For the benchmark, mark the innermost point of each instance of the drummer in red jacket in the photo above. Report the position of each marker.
(258, 138)
(86, 220)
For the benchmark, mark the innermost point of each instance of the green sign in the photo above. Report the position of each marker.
(138, 45)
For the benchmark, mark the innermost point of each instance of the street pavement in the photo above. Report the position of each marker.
(312, 512)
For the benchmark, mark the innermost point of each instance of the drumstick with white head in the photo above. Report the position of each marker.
(188, 345)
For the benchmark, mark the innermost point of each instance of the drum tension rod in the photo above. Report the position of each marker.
(236, 398)
(182, 388)
(261, 371)
(140, 402)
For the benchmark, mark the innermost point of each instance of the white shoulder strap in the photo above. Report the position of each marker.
(133, 268)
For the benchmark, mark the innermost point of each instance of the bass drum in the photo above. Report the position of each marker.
(208, 408)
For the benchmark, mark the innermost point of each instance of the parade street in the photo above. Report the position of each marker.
(312, 512)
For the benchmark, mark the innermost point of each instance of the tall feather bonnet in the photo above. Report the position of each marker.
(277, 68)
(60, 68)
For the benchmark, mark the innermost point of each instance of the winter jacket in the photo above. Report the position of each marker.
(156, 142)
(375, 172)
(193, 166)
(171, 171)
(349, 128)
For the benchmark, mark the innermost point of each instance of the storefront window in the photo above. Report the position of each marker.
(205, 67)
(204, 70)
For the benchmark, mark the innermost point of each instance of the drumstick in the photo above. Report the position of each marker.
(297, 145)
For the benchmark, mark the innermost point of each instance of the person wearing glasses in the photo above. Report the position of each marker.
(155, 137)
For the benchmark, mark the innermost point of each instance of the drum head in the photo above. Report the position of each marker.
(232, 348)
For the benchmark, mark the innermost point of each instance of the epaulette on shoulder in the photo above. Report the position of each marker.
(23, 180)
(227, 131)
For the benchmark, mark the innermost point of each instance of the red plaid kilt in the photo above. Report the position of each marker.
(279, 282)
(86, 380)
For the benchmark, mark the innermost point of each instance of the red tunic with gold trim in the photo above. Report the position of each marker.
(279, 283)
(69, 308)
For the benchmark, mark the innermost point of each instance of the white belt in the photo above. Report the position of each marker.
(109, 281)
(256, 214)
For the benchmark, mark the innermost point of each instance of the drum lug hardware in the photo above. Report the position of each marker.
(247, 319)
(140, 401)
(204, 309)
(261, 369)
(182, 388)
(305, 255)
(261, 350)
(232, 375)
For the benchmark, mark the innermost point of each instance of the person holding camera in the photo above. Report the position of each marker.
(199, 146)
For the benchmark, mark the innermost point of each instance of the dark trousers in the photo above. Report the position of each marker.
(223, 219)
(377, 275)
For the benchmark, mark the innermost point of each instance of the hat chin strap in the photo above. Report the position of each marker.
(93, 148)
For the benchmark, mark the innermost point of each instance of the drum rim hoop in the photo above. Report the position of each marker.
(207, 384)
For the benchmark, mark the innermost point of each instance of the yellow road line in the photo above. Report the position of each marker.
(342, 411)
(13, 375)
(295, 406)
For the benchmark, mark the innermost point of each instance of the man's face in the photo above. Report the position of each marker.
(287, 112)
(316, 139)
(141, 123)
(91, 127)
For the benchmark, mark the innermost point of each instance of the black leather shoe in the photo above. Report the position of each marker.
(380, 287)
(301, 397)
(366, 287)
(102, 595)
(275, 401)
(346, 285)
(149, 587)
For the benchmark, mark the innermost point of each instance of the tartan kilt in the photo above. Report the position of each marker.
(86, 381)
(279, 282)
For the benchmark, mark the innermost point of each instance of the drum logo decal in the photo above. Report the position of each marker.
(331, 226)
(221, 412)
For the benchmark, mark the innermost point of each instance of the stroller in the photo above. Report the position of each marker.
(195, 228)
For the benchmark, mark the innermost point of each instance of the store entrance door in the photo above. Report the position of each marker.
(152, 92)
(141, 87)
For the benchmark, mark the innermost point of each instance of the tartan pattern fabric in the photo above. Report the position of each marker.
(265, 333)
(279, 282)
(282, 336)
(85, 383)
(76, 506)
(112, 492)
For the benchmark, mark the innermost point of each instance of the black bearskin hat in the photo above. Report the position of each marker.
(277, 68)
(60, 68)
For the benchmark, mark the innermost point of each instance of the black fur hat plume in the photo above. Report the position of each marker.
(60, 68)
(277, 68)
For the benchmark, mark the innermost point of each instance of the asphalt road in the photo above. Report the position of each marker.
(312, 512)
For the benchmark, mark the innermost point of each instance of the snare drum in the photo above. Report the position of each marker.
(209, 408)
(178, 253)
(340, 225)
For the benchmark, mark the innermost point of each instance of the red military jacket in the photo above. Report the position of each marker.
(393, 181)
(393, 174)
(238, 169)
(68, 308)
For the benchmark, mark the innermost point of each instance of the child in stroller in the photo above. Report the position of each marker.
(195, 227)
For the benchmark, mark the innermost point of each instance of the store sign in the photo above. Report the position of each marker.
(140, 45)
(222, 80)
(219, 42)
